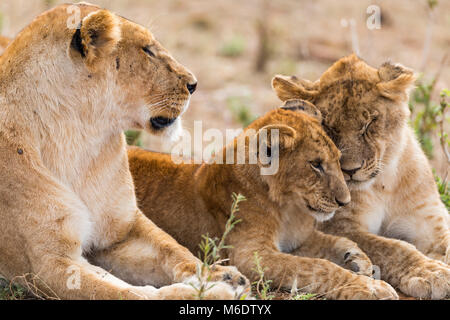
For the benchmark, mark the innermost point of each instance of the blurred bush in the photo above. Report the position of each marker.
(428, 121)
(240, 110)
(234, 47)
(133, 138)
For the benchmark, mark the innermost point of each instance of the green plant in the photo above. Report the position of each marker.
(210, 250)
(424, 123)
(49, 3)
(432, 3)
(240, 110)
(262, 285)
(443, 136)
(444, 190)
(286, 66)
(11, 291)
(133, 138)
(233, 47)
(429, 121)
(442, 183)
(304, 296)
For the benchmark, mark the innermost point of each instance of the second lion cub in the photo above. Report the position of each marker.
(277, 220)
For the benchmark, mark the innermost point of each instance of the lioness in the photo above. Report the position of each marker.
(279, 215)
(393, 192)
(66, 194)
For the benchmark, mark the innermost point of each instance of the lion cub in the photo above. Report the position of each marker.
(394, 195)
(189, 200)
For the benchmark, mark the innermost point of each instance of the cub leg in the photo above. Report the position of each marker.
(149, 256)
(400, 263)
(339, 250)
(286, 270)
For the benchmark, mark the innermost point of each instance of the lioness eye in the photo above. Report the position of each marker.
(148, 51)
(317, 165)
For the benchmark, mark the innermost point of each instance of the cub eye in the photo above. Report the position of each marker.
(148, 51)
(316, 165)
(369, 124)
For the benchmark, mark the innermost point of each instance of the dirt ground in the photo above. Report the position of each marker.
(220, 41)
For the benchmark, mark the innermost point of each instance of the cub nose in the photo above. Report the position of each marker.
(191, 87)
(341, 204)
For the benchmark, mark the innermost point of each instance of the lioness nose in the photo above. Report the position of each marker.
(191, 87)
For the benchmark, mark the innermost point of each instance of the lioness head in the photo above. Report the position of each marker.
(94, 59)
(309, 173)
(363, 111)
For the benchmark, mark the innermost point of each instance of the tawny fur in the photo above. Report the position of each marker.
(276, 222)
(393, 191)
(4, 41)
(67, 197)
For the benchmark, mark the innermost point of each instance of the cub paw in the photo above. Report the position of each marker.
(429, 280)
(364, 288)
(357, 261)
(230, 275)
(233, 277)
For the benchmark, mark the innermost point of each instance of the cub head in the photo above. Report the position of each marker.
(364, 112)
(106, 64)
(308, 172)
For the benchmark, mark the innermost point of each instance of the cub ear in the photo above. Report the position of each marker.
(97, 36)
(303, 106)
(396, 80)
(277, 135)
(293, 88)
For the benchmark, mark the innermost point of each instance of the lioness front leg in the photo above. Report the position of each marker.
(150, 256)
(63, 277)
(339, 250)
(400, 263)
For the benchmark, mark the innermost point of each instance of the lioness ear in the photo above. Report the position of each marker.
(303, 106)
(293, 88)
(97, 37)
(396, 81)
(277, 135)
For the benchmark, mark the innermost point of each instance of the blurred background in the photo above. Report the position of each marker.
(235, 47)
